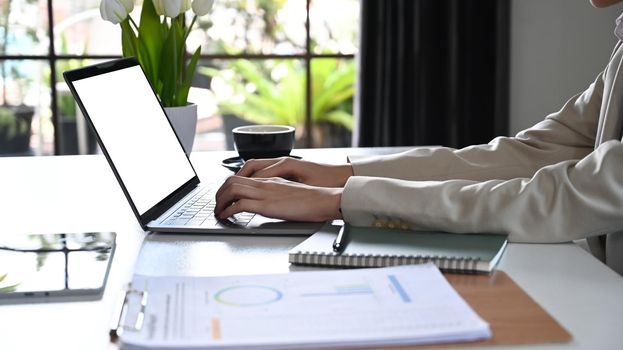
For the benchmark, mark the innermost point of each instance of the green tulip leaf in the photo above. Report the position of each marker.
(169, 65)
(128, 39)
(9, 289)
(182, 96)
(150, 44)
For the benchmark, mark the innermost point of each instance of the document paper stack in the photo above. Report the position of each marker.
(345, 308)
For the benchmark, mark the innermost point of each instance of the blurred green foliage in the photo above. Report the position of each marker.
(259, 98)
(7, 289)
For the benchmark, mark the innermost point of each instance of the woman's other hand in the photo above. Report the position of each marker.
(302, 171)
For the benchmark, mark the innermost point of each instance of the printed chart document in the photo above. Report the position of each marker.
(360, 307)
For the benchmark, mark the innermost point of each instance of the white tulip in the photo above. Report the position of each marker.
(116, 11)
(128, 4)
(171, 8)
(159, 6)
(185, 6)
(201, 7)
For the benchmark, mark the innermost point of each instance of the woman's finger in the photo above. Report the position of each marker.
(235, 192)
(242, 205)
(251, 166)
(283, 168)
(234, 179)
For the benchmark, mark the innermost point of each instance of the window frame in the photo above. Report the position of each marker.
(52, 58)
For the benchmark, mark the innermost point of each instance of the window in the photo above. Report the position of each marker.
(290, 61)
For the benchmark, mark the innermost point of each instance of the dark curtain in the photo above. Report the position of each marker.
(432, 72)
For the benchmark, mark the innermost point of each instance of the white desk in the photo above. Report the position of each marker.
(80, 193)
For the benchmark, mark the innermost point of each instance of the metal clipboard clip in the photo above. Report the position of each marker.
(122, 309)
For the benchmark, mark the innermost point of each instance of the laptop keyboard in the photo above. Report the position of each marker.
(199, 211)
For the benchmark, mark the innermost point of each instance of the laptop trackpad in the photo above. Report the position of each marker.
(265, 224)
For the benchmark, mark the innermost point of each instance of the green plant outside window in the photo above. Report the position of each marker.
(260, 99)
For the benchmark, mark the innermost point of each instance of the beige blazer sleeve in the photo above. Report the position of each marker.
(546, 184)
(567, 134)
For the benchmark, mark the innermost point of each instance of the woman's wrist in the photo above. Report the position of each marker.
(337, 204)
(344, 172)
(333, 205)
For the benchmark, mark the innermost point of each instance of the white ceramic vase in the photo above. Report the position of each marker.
(184, 121)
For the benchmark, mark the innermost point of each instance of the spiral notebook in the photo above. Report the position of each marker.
(379, 247)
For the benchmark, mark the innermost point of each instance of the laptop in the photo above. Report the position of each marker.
(148, 159)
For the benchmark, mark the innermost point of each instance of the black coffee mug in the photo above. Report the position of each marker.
(263, 141)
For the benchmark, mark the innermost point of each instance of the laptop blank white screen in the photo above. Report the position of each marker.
(136, 134)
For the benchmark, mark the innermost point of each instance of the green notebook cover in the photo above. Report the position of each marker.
(379, 247)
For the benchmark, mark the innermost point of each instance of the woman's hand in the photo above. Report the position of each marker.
(277, 198)
(305, 172)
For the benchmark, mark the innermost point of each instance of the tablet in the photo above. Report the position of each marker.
(55, 267)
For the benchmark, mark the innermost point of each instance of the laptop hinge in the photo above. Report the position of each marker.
(169, 201)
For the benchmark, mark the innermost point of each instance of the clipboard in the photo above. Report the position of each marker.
(514, 317)
(119, 323)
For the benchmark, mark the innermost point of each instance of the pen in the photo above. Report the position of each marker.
(340, 240)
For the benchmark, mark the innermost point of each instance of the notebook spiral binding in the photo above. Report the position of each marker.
(449, 264)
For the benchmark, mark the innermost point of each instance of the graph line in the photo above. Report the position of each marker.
(401, 291)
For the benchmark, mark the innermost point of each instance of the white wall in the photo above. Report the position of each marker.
(557, 49)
